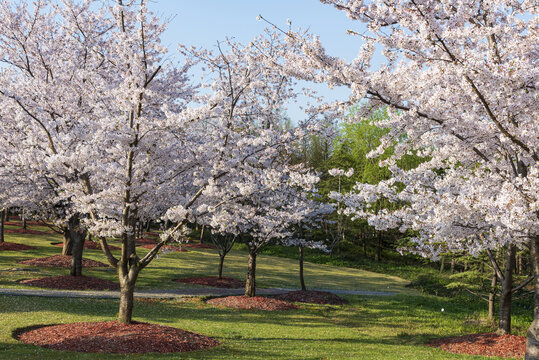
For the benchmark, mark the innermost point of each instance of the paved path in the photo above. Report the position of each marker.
(171, 293)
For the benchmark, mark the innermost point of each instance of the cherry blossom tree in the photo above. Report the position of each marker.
(122, 134)
(223, 243)
(253, 144)
(338, 235)
(47, 76)
(310, 214)
(460, 83)
(268, 213)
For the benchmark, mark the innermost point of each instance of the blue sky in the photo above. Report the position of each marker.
(203, 23)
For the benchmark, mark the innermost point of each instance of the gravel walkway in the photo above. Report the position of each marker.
(172, 293)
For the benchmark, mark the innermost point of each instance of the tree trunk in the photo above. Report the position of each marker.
(442, 264)
(532, 344)
(452, 265)
(127, 292)
(378, 255)
(504, 324)
(492, 297)
(77, 238)
(221, 262)
(67, 248)
(24, 225)
(7, 214)
(202, 234)
(149, 226)
(250, 284)
(2, 221)
(128, 271)
(301, 278)
(364, 237)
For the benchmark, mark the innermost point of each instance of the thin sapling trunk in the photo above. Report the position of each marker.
(221, 262)
(250, 284)
(532, 343)
(2, 221)
(301, 278)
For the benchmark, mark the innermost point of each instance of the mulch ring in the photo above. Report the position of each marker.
(198, 246)
(312, 297)
(224, 282)
(165, 247)
(486, 344)
(252, 303)
(14, 247)
(91, 245)
(67, 282)
(27, 231)
(114, 337)
(28, 223)
(146, 241)
(152, 233)
(60, 261)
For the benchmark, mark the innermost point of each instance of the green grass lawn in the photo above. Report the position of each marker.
(370, 327)
(271, 271)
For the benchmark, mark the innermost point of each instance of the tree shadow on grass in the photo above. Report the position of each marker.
(391, 315)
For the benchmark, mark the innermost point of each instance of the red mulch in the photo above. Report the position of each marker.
(14, 247)
(312, 297)
(487, 344)
(146, 241)
(199, 246)
(152, 233)
(252, 303)
(28, 223)
(214, 281)
(166, 247)
(60, 261)
(114, 337)
(27, 231)
(67, 282)
(90, 245)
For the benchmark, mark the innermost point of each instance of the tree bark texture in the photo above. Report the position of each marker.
(364, 237)
(250, 284)
(202, 234)
(23, 217)
(221, 262)
(2, 221)
(76, 255)
(77, 238)
(301, 278)
(67, 247)
(504, 324)
(532, 344)
(492, 297)
(378, 254)
(127, 292)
